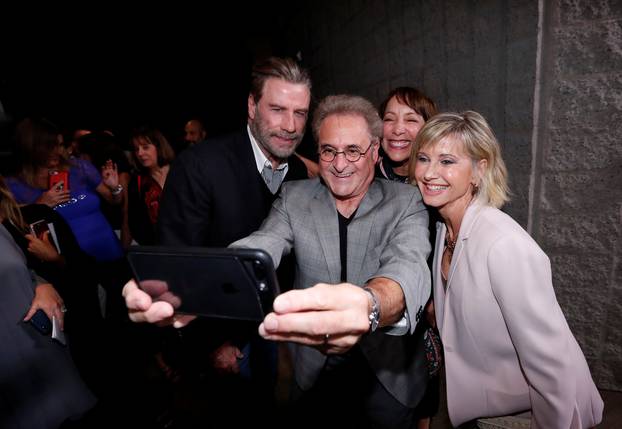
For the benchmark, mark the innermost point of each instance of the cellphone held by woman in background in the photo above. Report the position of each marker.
(56, 177)
(41, 322)
(39, 228)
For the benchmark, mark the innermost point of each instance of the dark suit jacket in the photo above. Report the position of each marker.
(213, 196)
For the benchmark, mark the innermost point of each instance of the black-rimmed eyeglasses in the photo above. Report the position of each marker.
(352, 154)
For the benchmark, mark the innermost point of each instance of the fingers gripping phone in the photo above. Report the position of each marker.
(214, 282)
(39, 228)
(55, 179)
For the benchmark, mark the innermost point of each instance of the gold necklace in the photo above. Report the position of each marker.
(450, 244)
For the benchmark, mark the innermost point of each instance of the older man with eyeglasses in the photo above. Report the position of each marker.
(361, 281)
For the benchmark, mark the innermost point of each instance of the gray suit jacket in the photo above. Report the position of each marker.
(387, 238)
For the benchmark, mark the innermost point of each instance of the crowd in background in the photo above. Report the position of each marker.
(98, 195)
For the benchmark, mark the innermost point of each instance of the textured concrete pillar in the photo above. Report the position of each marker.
(576, 211)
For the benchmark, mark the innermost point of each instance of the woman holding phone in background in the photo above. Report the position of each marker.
(37, 146)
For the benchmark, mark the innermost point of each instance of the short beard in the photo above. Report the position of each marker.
(263, 134)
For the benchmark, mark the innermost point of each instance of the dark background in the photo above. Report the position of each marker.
(115, 70)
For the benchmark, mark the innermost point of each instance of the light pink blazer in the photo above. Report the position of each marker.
(508, 347)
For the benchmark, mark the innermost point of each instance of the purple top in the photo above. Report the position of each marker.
(81, 212)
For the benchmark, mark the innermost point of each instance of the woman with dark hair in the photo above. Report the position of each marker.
(153, 155)
(38, 144)
(404, 111)
(38, 147)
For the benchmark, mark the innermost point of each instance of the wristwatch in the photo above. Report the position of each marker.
(374, 314)
(116, 191)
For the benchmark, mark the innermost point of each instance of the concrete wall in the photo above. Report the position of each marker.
(475, 55)
(555, 64)
(577, 176)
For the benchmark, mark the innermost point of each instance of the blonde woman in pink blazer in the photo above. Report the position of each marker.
(508, 348)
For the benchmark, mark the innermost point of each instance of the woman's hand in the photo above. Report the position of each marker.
(47, 299)
(110, 176)
(110, 187)
(54, 196)
(43, 248)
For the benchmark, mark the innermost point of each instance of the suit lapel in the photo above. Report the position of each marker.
(360, 232)
(244, 163)
(455, 259)
(439, 289)
(324, 214)
(465, 231)
(470, 216)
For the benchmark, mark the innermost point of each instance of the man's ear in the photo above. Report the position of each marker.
(375, 151)
(252, 106)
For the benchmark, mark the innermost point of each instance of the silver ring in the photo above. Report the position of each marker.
(326, 338)
(63, 309)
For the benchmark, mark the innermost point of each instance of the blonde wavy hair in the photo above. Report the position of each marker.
(9, 209)
(478, 141)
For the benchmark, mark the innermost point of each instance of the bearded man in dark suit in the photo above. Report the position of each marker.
(219, 191)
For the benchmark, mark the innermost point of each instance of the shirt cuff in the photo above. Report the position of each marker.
(401, 327)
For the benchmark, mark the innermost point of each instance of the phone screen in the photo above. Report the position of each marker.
(41, 322)
(59, 176)
(38, 228)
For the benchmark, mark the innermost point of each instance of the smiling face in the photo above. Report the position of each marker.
(278, 119)
(401, 125)
(146, 153)
(347, 181)
(446, 176)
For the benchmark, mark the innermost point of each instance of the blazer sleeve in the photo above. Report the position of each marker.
(275, 235)
(521, 282)
(403, 259)
(185, 214)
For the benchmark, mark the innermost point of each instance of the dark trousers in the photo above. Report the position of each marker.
(348, 394)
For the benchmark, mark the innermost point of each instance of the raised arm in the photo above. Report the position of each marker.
(334, 317)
